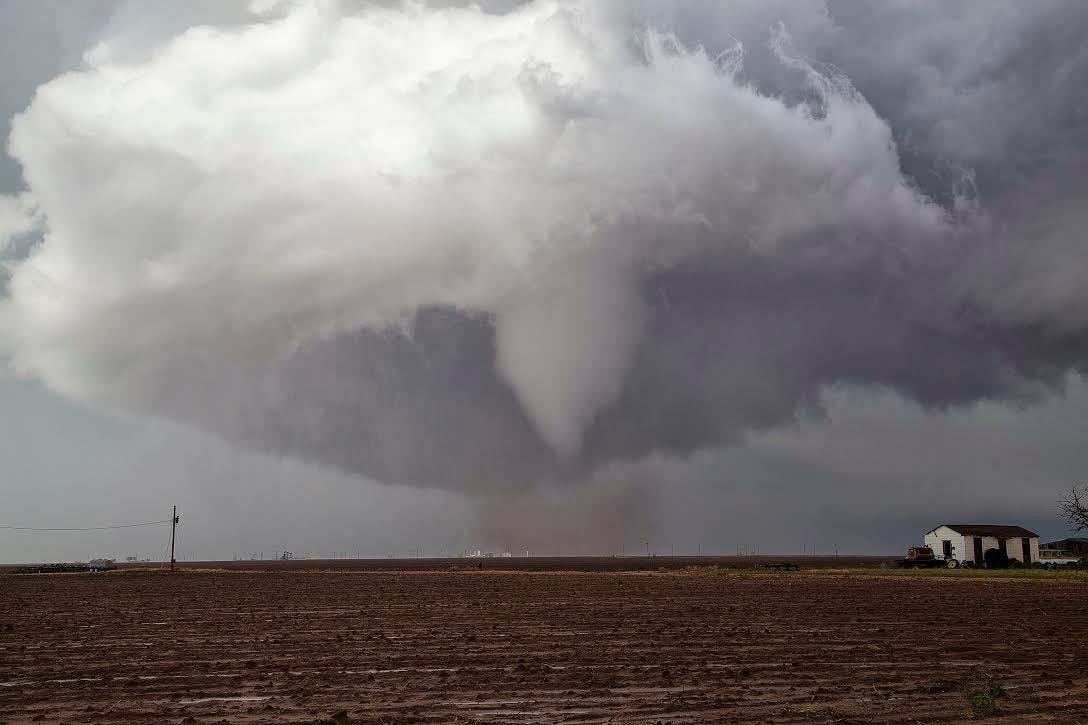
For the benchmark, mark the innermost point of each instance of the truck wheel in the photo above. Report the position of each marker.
(953, 564)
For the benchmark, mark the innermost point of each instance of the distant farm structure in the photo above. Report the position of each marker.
(972, 544)
(93, 565)
(1076, 545)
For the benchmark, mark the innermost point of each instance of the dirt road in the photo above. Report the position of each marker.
(517, 647)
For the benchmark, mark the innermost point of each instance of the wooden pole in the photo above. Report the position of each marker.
(173, 526)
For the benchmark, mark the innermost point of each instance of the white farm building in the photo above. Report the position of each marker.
(968, 543)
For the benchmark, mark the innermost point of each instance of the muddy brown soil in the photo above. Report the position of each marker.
(525, 647)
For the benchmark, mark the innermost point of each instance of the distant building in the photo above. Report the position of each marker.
(1077, 545)
(968, 543)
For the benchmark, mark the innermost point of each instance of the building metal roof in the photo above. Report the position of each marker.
(1068, 540)
(1001, 532)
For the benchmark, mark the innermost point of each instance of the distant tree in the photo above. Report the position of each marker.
(1074, 507)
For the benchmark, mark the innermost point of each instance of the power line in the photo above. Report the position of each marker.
(85, 528)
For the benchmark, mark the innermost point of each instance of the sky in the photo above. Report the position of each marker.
(349, 278)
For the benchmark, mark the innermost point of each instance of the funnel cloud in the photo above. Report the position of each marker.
(485, 248)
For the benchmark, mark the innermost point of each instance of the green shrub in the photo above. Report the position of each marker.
(982, 692)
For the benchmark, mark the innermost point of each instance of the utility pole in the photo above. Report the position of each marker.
(173, 528)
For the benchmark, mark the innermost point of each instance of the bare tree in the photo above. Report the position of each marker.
(1074, 507)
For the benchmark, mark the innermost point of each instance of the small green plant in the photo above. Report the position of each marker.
(982, 692)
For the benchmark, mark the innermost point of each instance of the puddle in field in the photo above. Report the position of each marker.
(241, 698)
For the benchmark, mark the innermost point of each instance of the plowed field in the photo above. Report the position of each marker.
(521, 647)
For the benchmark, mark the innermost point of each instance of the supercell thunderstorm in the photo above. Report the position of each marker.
(458, 248)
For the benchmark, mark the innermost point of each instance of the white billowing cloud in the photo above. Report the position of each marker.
(18, 222)
(17, 217)
(242, 191)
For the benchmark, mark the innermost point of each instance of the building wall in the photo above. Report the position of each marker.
(1014, 548)
(1034, 550)
(934, 538)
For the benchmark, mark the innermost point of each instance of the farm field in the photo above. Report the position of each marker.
(540, 563)
(702, 646)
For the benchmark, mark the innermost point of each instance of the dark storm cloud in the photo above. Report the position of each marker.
(555, 241)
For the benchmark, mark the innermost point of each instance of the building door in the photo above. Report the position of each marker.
(947, 546)
(978, 550)
(1025, 543)
(1004, 544)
